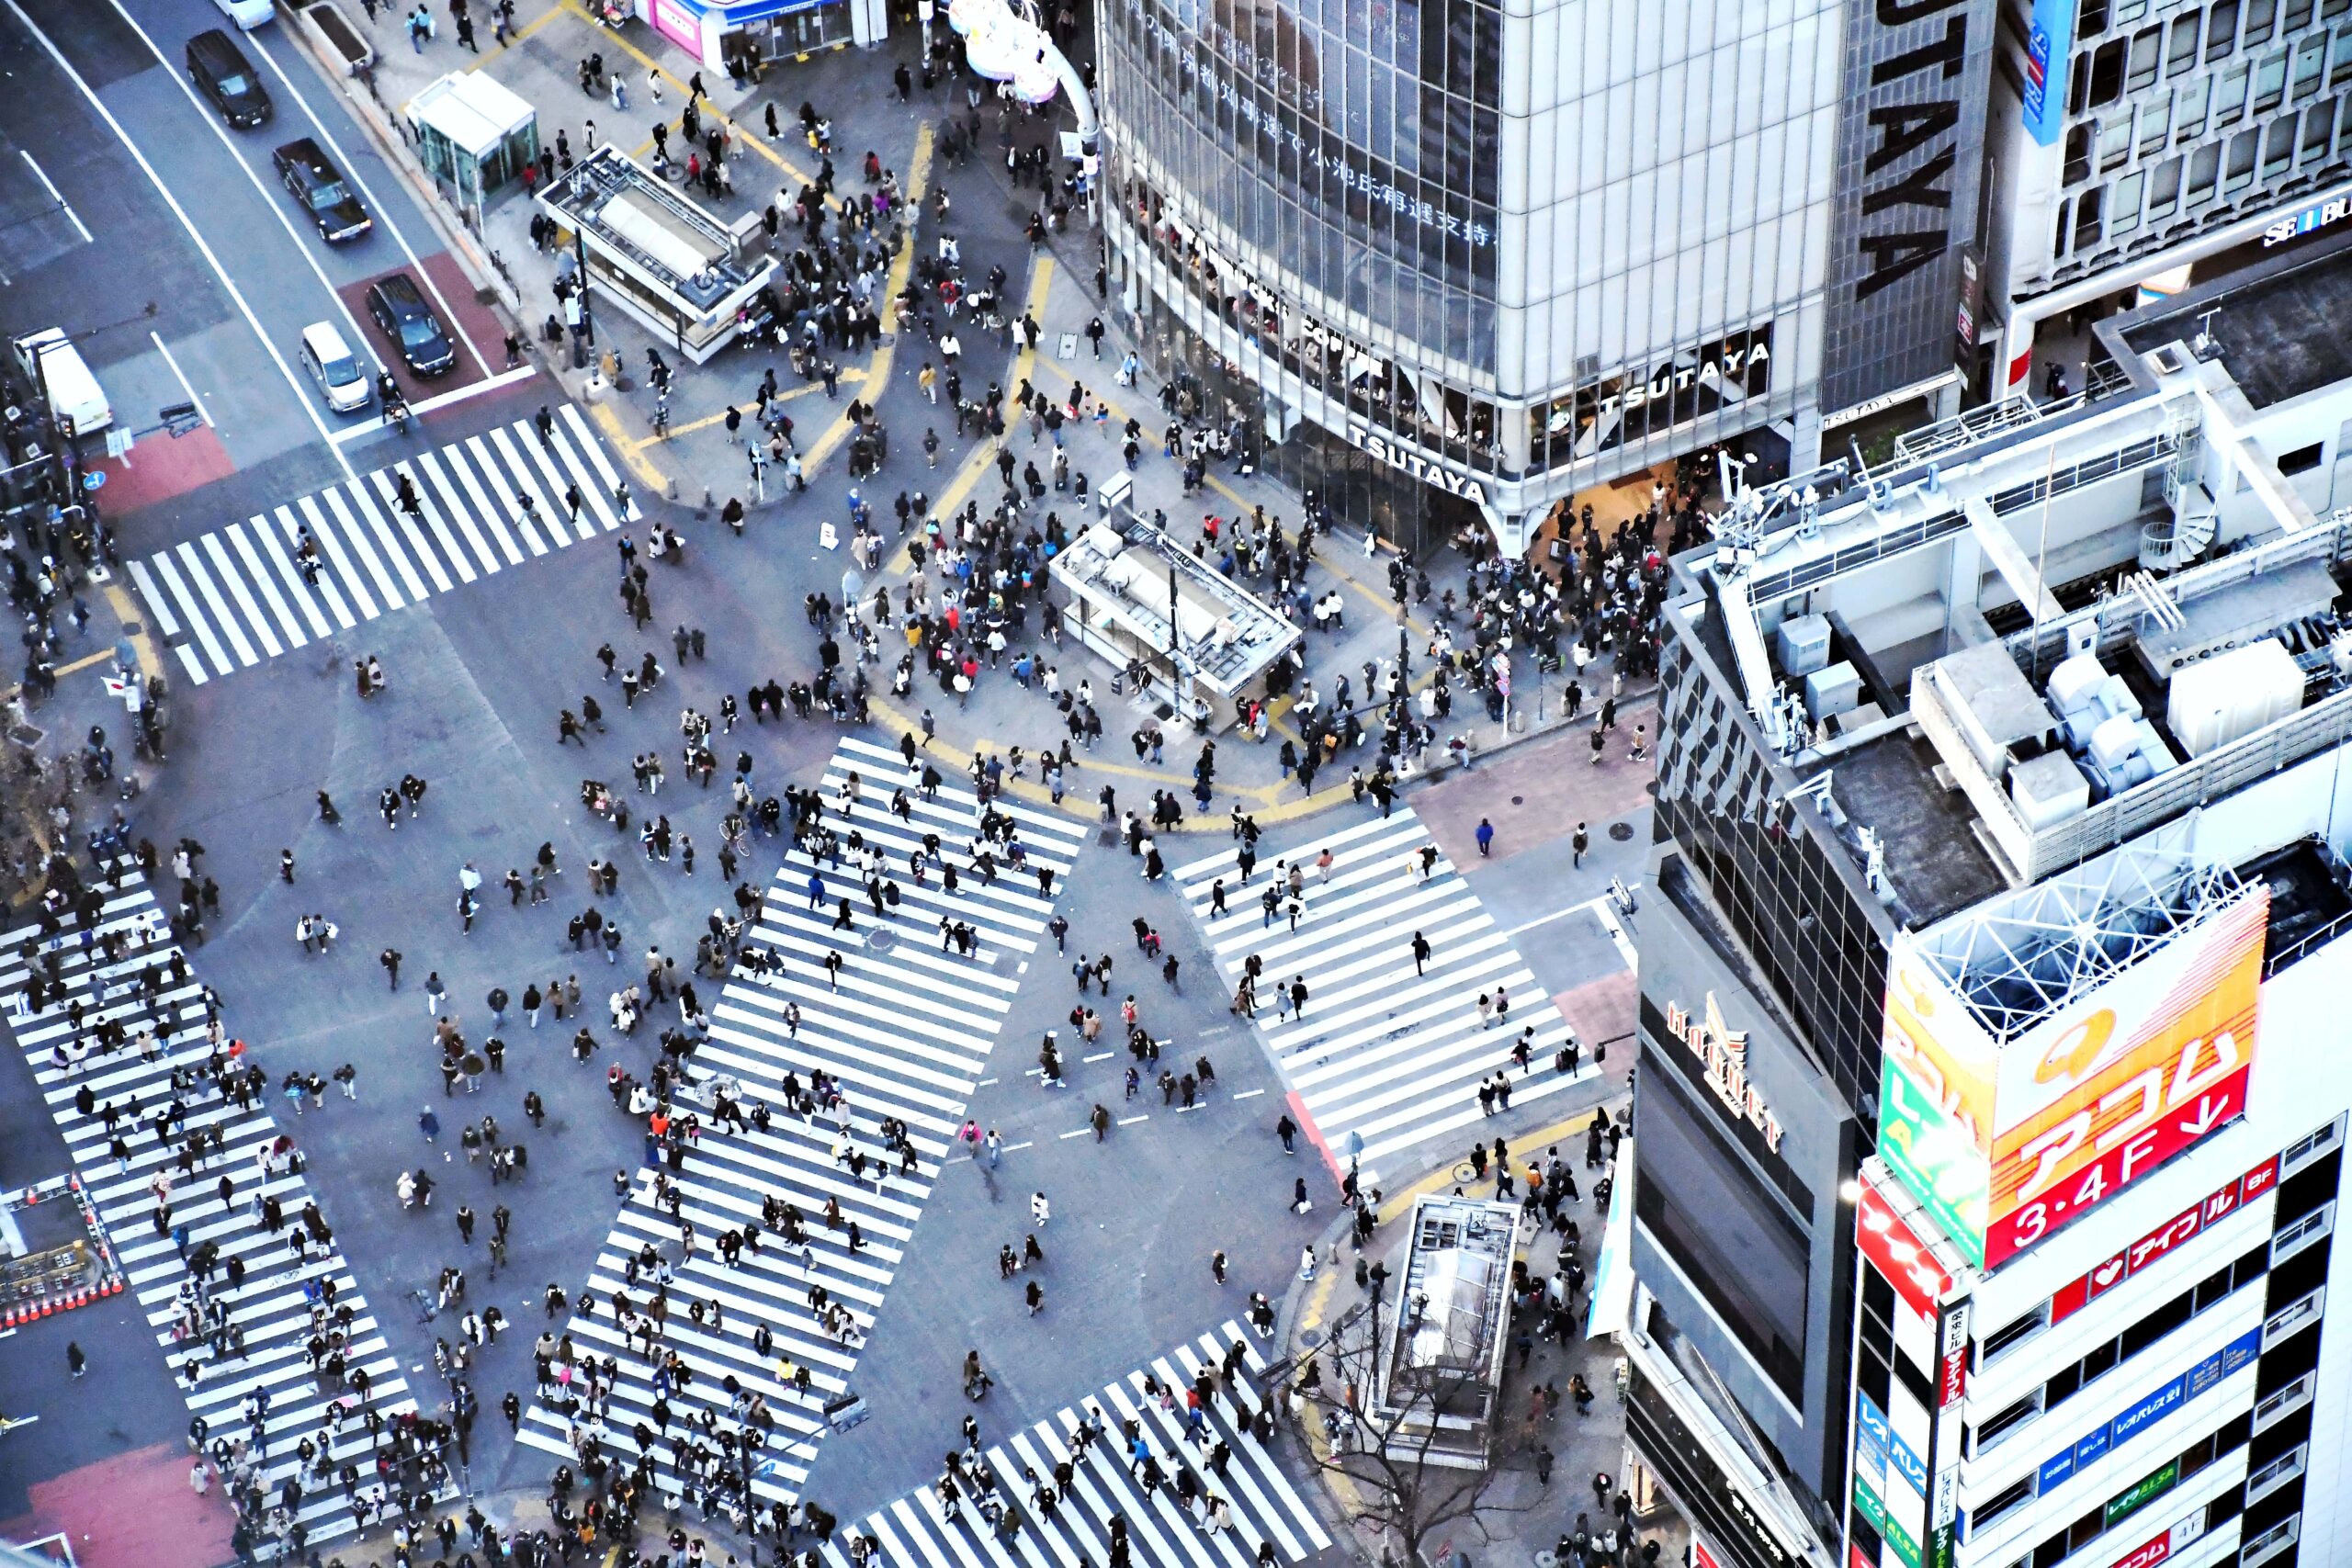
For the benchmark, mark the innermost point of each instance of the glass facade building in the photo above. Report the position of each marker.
(1451, 263)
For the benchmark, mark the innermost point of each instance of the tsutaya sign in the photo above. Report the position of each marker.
(1396, 454)
(1723, 1052)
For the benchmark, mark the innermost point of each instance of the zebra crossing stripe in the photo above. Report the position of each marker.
(364, 527)
(289, 574)
(288, 532)
(231, 598)
(1387, 1052)
(906, 1034)
(914, 1531)
(271, 1308)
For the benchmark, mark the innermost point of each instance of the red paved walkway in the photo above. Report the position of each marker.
(1540, 791)
(160, 466)
(133, 1511)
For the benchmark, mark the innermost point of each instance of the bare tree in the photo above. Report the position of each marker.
(1412, 1477)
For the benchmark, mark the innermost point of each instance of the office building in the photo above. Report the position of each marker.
(1449, 263)
(2139, 147)
(1988, 1126)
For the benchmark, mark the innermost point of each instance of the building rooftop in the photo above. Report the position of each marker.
(2174, 624)
(2279, 330)
(636, 214)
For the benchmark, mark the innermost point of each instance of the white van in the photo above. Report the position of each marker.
(53, 361)
(248, 14)
(342, 379)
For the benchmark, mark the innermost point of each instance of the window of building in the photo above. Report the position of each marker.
(2091, 20)
(2115, 142)
(2182, 53)
(2164, 189)
(2155, 123)
(2123, 206)
(2147, 48)
(2077, 167)
(2295, 19)
(2261, 15)
(2311, 59)
(2221, 29)
(2106, 76)
(2319, 131)
(2188, 120)
(2270, 83)
(2204, 164)
(2240, 171)
(2331, 10)
(2229, 95)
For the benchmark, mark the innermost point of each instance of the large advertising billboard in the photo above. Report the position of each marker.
(2106, 1089)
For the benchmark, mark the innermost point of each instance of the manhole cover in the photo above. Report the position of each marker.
(881, 940)
(1620, 831)
(132, 628)
(1518, 800)
(1310, 1337)
(25, 735)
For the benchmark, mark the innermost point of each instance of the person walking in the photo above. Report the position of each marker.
(1040, 1212)
(76, 1362)
(1420, 952)
(391, 959)
(1578, 846)
(1486, 836)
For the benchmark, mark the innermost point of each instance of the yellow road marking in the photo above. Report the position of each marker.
(519, 34)
(735, 133)
(631, 451)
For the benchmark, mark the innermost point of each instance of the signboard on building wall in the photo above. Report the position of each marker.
(2049, 51)
(2158, 1244)
(1910, 160)
(1927, 1148)
(2119, 1082)
(1898, 1253)
(2004, 1145)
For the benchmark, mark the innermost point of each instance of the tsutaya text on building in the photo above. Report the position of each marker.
(1723, 1052)
(1396, 454)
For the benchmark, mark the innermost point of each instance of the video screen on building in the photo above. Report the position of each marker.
(1733, 1239)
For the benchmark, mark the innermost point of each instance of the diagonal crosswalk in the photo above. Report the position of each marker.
(1103, 1484)
(239, 595)
(905, 1029)
(290, 1303)
(1386, 1053)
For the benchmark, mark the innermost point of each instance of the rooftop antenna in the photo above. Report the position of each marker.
(2204, 343)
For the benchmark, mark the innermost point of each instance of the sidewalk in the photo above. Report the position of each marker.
(1519, 1518)
(698, 464)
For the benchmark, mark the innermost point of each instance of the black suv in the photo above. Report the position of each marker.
(403, 316)
(220, 72)
(317, 187)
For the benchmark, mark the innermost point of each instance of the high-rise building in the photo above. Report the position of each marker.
(1987, 1132)
(1447, 262)
(2138, 147)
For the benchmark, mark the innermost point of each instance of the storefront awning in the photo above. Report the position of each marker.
(1611, 1306)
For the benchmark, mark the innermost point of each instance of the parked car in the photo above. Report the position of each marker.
(318, 187)
(402, 314)
(221, 72)
(342, 379)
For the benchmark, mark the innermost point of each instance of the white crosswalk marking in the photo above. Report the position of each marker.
(277, 1298)
(237, 596)
(904, 1030)
(1388, 1050)
(1102, 1482)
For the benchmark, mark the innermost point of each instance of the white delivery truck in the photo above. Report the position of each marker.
(56, 367)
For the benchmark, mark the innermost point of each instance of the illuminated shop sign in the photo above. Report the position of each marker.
(1396, 454)
(2008, 1143)
(1724, 1054)
(1631, 406)
(2157, 1244)
(2151, 1411)
(1897, 1251)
